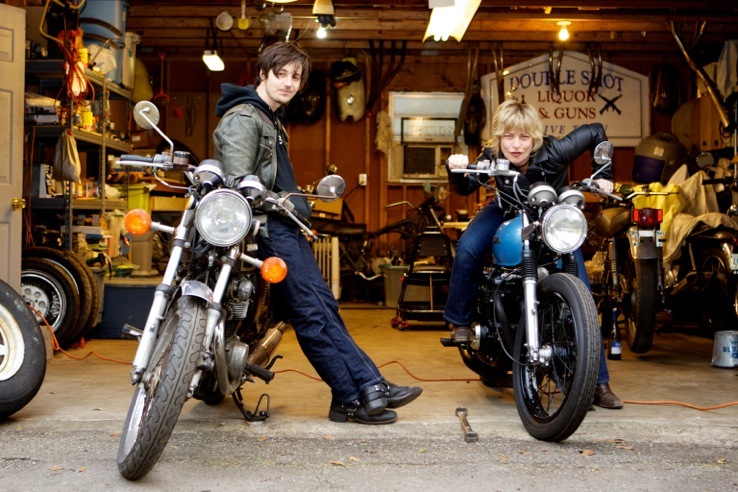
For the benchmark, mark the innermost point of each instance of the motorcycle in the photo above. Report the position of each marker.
(701, 269)
(22, 353)
(632, 280)
(534, 315)
(210, 328)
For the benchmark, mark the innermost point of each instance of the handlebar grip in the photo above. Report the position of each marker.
(137, 158)
(718, 181)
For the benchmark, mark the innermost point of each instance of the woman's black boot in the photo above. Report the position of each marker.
(354, 411)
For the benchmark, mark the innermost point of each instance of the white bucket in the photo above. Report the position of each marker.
(725, 350)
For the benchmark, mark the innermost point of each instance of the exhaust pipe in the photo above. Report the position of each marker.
(261, 353)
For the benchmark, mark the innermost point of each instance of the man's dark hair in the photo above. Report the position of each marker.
(277, 55)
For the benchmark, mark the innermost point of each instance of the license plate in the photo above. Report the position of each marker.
(734, 262)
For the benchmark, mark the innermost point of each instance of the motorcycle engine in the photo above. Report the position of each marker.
(239, 298)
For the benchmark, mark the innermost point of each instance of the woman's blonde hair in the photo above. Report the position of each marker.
(513, 115)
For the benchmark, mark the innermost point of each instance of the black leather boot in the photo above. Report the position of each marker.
(354, 411)
(374, 398)
(398, 396)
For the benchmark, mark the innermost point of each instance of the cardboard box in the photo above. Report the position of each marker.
(167, 203)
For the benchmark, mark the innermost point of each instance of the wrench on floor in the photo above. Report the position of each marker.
(469, 434)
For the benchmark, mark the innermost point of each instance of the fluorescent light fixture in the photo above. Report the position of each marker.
(451, 22)
(564, 32)
(213, 61)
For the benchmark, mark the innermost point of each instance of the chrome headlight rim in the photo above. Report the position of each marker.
(223, 217)
(568, 218)
(541, 194)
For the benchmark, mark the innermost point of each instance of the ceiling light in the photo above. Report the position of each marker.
(564, 32)
(446, 22)
(323, 10)
(213, 61)
(322, 33)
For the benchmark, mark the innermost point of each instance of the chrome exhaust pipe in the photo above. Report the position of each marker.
(261, 352)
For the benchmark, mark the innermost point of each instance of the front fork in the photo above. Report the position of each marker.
(536, 355)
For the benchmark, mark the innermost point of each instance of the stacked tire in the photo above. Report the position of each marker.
(61, 289)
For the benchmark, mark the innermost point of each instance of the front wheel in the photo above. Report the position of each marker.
(159, 398)
(641, 305)
(553, 397)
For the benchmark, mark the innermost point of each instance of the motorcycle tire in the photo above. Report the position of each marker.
(717, 291)
(85, 283)
(22, 353)
(50, 291)
(641, 304)
(158, 400)
(553, 399)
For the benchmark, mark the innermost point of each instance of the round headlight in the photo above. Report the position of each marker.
(541, 195)
(223, 217)
(564, 228)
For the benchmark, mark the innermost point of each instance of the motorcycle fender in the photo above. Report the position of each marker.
(195, 288)
(642, 244)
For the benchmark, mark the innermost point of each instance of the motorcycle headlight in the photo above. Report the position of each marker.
(563, 228)
(223, 217)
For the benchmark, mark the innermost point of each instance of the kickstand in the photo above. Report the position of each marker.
(257, 415)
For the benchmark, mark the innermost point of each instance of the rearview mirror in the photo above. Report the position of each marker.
(146, 115)
(330, 187)
(603, 153)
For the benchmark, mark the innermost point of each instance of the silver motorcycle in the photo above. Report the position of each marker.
(210, 328)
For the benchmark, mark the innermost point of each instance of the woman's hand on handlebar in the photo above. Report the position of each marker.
(605, 185)
(458, 161)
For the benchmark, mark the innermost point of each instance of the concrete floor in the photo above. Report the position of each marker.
(671, 391)
(92, 382)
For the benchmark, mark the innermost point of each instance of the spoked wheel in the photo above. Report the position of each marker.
(640, 304)
(553, 398)
(159, 398)
(22, 353)
(51, 292)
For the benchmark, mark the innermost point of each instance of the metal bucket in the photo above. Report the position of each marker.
(725, 350)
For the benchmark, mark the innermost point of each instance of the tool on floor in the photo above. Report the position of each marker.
(469, 434)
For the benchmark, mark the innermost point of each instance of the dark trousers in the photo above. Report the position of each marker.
(312, 310)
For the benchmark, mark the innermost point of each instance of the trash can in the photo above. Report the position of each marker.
(392, 283)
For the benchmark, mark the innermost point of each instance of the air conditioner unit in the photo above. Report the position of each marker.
(422, 161)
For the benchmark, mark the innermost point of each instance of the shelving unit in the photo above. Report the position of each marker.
(48, 77)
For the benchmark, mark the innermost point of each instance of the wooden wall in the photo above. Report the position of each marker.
(348, 145)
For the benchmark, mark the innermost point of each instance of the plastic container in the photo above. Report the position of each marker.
(93, 19)
(392, 283)
(725, 350)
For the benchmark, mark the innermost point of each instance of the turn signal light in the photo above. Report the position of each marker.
(137, 222)
(274, 270)
(647, 217)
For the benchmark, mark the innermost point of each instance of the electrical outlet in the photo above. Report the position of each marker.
(362, 179)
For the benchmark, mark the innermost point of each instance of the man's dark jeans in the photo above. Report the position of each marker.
(312, 310)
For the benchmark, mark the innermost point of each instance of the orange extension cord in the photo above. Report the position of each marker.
(81, 344)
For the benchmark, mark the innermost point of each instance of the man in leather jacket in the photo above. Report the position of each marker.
(517, 135)
(250, 140)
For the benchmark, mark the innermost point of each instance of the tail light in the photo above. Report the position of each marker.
(137, 222)
(274, 269)
(647, 217)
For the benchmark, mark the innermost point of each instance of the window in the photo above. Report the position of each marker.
(423, 125)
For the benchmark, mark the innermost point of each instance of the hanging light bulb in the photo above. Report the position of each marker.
(564, 32)
(322, 32)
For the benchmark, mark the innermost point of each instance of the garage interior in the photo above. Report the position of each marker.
(672, 45)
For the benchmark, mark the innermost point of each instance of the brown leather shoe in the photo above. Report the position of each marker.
(605, 398)
(461, 334)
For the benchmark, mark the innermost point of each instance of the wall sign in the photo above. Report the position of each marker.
(621, 102)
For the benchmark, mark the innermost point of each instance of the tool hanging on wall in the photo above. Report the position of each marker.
(380, 80)
(471, 70)
(498, 60)
(596, 66)
(161, 98)
(554, 75)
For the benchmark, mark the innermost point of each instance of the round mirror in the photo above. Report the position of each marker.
(330, 187)
(603, 152)
(144, 110)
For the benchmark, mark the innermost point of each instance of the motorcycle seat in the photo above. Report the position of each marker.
(611, 221)
(343, 229)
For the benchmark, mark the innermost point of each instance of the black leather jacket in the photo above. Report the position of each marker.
(550, 163)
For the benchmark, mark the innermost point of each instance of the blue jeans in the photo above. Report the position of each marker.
(466, 275)
(312, 310)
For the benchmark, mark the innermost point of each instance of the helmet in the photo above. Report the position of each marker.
(507, 247)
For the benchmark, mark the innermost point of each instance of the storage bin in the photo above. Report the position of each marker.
(392, 283)
(113, 13)
(125, 301)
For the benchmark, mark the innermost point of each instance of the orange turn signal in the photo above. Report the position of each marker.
(137, 222)
(274, 270)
